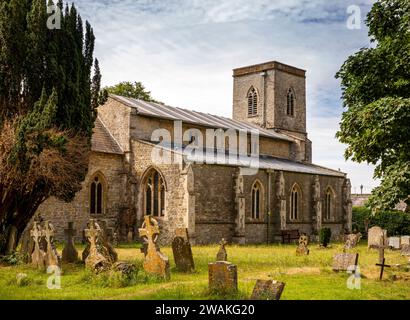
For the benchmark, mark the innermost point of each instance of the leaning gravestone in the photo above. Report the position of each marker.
(352, 240)
(223, 277)
(394, 242)
(52, 256)
(302, 248)
(222, 255)
(182, 251)
(345, 261)
(375, 237)
(106, 236)
(70, 254)
(267, 290)
(155, 262)
(38, 257)
(98, 258)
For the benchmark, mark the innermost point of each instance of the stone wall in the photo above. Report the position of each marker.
(60, 213)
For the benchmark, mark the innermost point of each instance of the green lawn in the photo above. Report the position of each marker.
(307, 277)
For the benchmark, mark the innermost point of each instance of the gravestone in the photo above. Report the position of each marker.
(223, 277)
(98, 258)
(38, 257)
(352, 240)
(70, 253)
(376, 237)
(302, 248)
(155, 262)
(267, 290)
(405, 240)
(345, 261)
(222, 255)
(405, 250)
(182, 251)
(394, 242)
(106, 236)
(52, 256)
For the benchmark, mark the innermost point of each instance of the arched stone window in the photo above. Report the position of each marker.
(154, 194)
(295, 202)
(290, 110)
(97, 194)
(328, 207)
(252, 102)
(257, 200)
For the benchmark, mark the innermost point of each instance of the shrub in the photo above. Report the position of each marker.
(324, 236)
(12, 259)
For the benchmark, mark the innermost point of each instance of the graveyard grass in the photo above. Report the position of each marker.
(306, 277)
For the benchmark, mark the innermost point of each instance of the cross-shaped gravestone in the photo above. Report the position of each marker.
(382, 265)
(222, 255)
(155, 262)
(97, 258)
(38, 255)
(70, 254)
(52, 257)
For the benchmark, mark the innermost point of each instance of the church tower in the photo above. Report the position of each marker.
(271, 95)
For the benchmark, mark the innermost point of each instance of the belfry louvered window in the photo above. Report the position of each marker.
(290, 103)
(252, 102)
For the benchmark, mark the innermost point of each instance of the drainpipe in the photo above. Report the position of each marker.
(269, 206)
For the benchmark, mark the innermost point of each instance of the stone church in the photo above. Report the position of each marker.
(213, 200)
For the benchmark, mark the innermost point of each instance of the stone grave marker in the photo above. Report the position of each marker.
(267, 290)
(222, 255)
(405, 240)
(52, 256)
(38, 257)
(376, 237)
(223, 277)
(98, 258)
(344, 261)
(182, 251)
(302, 248)
(155, 262)
(352, 240)
(70, 253)
(106, 236)
(405, 250)
(394, 242)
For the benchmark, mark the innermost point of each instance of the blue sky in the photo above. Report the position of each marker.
(184, 53)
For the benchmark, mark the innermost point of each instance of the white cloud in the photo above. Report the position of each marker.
(184, 52)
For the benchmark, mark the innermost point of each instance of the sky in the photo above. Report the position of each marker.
(184, 51)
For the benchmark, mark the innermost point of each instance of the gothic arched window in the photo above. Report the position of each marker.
(97, 193)
(290, 103)
(328, 203)
(295, 201)
(252, 102)
(154, 194)
(257, 200)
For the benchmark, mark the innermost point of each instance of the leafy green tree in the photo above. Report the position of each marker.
(134, 90)
(376, 93)
(48, 97)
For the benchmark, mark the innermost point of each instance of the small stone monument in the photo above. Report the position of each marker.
(52, 256)
(345, 261)
(98, 258)
(70, 253)
(376, 236)
(302, 248)
(106, 236)
(182, 251)
(267, 290)
(155, 262)
(405, 250)
(223, 277)
(352, 240)
(405, 240)
(38, 257)
(394, 243)
(222, 255)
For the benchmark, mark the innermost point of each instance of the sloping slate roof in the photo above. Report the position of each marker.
(194, 117)
(265, 162)
(102, 141)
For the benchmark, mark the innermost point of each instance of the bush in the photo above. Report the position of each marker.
(324, 236)
(395, 222)
(12, 259)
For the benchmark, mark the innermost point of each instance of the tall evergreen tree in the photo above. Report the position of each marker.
(47, 109)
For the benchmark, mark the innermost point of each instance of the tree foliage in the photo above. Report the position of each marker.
(134, 90)
(376, 94)
(48, 96)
